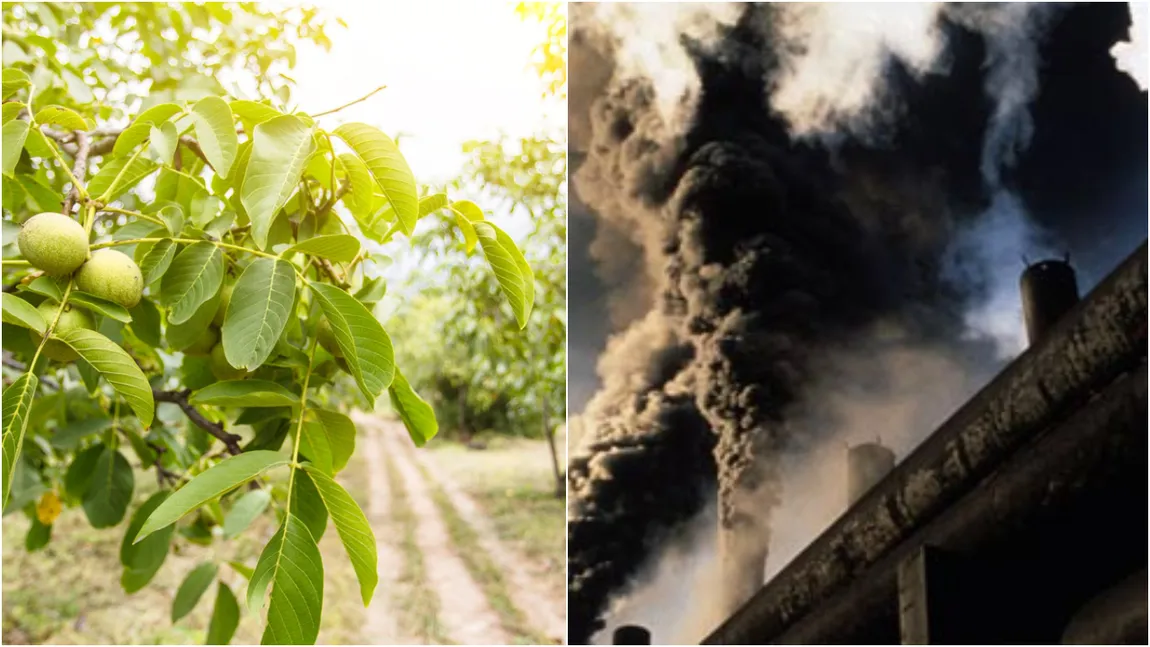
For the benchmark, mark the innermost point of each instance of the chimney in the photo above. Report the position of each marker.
(631, 635)
(1049, 289)
(867, 464)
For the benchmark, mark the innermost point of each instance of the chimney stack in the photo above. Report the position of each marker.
(631, 635)
(1049, 289)
(867, 464)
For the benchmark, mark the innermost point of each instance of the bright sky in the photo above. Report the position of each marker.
(454, 71)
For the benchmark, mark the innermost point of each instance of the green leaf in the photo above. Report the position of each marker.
(79, 475)
(359, 335)
(339, 432)
(244, 512)
(337, 247)
(14, 81)
(45, 197)
(192, 589)
(110, 490)
(180, 336)
(141, 127)
(242, 569)
(253, 113)
(507, 270)
(14, 133)
(116, 366)
(100, 306)
(11, 110)
(70, 435)
(360, 198)
(195, 275)
(142, 560)
(17, 402)
(225, 617)
(467, 212)
(164, 140)
(417, 415)
(146, 322)
(292, 565)
(38, 535)
(307, 506)
(313, 445)
(20, 312)
(216, 133)
(372, 291)
(354, 530)
(65, 118)
(388, 167)
(100, 186)
(173, 217)
(432, 203)
(229, 473)
(46, 286)
(157, 260)
(245, 393)
(258, 312)
(280, 150)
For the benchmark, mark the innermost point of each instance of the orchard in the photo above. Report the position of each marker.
(185, 246)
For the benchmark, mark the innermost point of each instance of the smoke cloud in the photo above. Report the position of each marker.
(812, 240)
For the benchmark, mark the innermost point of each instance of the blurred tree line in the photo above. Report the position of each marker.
(482, 374)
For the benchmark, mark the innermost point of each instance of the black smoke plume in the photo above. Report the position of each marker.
(762, 254)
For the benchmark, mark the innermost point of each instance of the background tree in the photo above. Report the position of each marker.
(186, 291)
(484, 374)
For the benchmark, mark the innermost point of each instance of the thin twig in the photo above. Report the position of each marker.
(194, 146)
(12, 362)
(350, 103)
(180, 398)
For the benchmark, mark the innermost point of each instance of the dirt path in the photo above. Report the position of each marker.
(381, 626)
(543, 611)
(464, 611)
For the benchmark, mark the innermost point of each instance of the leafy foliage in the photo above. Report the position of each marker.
(246, 220)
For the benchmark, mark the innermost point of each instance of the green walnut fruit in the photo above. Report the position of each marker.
(220, 367)
(225, 299)
(70, 319)
(327, 338)
(205, 343)
(112, 275)
(54, 243)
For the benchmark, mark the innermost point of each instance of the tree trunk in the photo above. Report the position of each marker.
(549, 432)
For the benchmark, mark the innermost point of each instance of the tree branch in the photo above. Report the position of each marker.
(194, 146)
(79, 169)
(350, 103)
(180, 398)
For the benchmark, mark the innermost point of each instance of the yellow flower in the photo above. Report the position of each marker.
(48, 508)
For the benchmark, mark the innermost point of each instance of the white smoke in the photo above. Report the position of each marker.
(833, 59)
(1131, 56)
(647, 41)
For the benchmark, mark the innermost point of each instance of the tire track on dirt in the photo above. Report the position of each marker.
(543, 611)
(464, 609)
(381, 626)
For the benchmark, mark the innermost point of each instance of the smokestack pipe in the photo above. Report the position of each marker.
(1106, 337)
(867, 464)
(1049, 289)
(631, 635)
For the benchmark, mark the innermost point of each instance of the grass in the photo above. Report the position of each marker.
(482, 568)
(69, 592)
(416, 602)
(512, 482)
